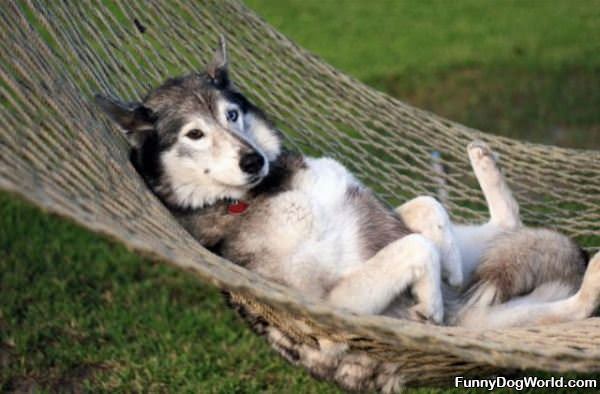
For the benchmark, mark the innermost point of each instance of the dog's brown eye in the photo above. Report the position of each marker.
(195, 134)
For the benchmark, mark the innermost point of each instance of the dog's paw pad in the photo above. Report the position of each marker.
(479, 150)
(483, 160)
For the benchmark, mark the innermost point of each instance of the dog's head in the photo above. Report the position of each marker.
(196, 139)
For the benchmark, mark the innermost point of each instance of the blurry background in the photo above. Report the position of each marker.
(78, 312)
(526, 69)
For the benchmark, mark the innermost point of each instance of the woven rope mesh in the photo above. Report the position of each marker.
(57, 151)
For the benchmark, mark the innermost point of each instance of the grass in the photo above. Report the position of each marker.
(80, 313)
(400, 37)
(520, 68)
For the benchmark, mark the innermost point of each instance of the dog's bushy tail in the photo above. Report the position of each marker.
(519, 262)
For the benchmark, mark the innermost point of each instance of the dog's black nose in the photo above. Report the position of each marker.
(252, 163)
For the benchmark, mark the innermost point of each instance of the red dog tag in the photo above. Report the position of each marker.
(237, 207)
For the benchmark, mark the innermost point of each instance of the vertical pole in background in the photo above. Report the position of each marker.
(439, 177)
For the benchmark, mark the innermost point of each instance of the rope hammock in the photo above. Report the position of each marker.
(59, 152)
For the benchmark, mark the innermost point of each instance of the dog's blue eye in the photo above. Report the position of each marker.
(232, 115)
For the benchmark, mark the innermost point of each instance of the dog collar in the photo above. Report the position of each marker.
(237, 207)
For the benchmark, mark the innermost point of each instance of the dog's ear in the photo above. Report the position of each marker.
(134, 118)
(217, 68)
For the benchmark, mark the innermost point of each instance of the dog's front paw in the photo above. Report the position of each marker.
(427, 312)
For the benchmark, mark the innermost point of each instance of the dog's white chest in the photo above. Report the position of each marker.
(315, 231)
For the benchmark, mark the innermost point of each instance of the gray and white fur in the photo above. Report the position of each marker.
(310, 224)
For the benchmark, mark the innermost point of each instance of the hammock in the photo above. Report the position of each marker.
(58, 152)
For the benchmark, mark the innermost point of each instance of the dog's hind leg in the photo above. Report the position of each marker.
(503, 208)
(541, 307)
(461, 246)
(473, 240)
(410, 262)
(426, 216)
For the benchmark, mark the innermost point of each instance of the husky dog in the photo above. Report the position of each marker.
(218, 164)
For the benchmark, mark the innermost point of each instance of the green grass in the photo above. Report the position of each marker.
(81, 312)
(78, 312)
(378, 38)
(526, 69)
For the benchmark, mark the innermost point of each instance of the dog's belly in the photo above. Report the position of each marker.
(311, 231)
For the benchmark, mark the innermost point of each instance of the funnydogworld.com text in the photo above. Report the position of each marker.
(525, 382)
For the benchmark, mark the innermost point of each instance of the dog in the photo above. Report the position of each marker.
(217, 162)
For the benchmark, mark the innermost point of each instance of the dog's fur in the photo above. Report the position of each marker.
(313, 226)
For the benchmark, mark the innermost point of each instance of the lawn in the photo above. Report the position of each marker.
(526, 69)
(78, 312)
